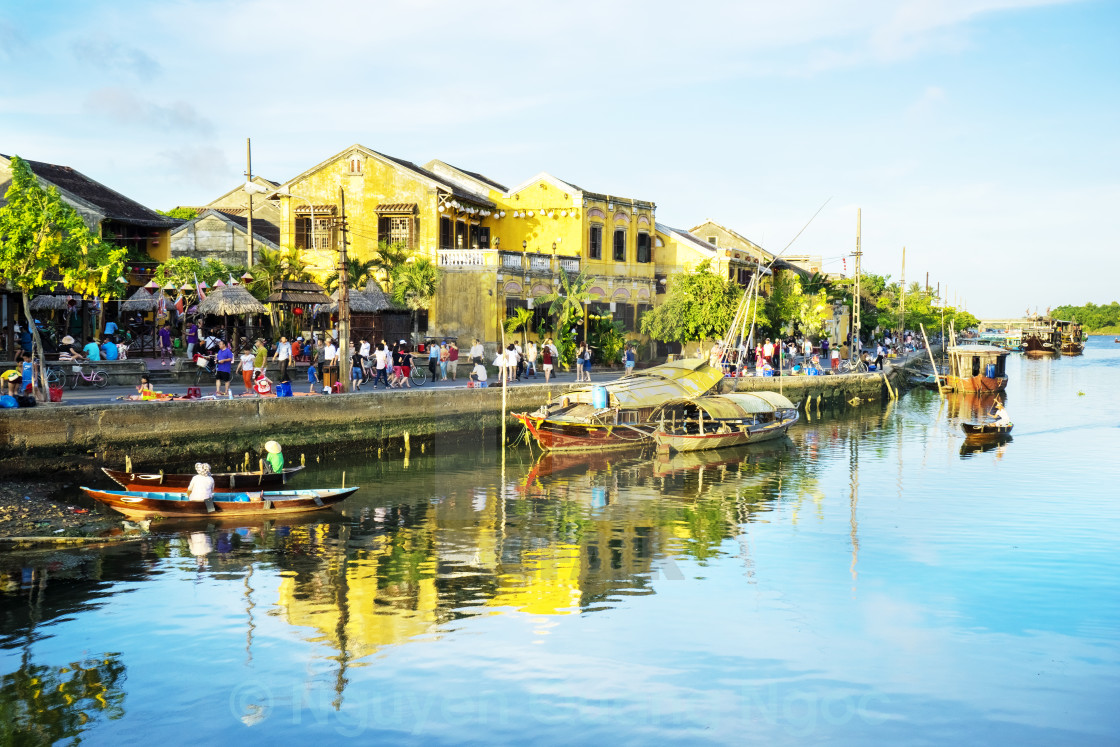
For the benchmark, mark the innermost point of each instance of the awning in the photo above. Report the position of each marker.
(737, 405)
(397, 207)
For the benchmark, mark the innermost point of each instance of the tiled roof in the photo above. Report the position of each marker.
(262, 228)
(455, 190)
(114, 205)
(482, 179)
(397, 207)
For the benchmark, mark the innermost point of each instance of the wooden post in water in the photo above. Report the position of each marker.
(932, 362)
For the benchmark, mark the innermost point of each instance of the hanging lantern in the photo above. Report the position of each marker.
(247, 278)
(151, 287)
(169, 287)
(298, 311)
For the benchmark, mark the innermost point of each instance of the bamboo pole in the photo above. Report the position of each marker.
(932, 362)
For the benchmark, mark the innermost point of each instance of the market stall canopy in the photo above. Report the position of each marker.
(291, 291)
(230, 300)
(141, 300)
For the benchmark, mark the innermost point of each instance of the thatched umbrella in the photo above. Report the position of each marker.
(54, 301)
(230, 300)
(142, 300)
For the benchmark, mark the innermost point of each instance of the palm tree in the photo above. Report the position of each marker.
(414, 286)
(521, 320)
(359, 271)
(388, 257)
(568, 302)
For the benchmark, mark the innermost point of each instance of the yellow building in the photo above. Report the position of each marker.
(676, 250)
(498, 248)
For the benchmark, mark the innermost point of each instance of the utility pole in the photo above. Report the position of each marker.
(856, 295)
(249, 180)
(902, 299)
(343, 299)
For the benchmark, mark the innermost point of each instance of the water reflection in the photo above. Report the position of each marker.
(42, 704)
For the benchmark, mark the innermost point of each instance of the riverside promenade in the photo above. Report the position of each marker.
(93, 429)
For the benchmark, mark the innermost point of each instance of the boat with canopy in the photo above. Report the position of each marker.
(716, 421)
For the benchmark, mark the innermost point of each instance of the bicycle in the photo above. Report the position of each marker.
(56, 377)
(206, 367)
(856, 366)
(418, 375)
(98, 378)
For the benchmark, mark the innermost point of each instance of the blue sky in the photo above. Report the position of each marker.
(980, 134)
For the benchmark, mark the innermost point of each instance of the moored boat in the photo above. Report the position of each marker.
(616, 414)
(147, 504)
(977, 368)
(224, 482)
(1073, 339)
(716, 421)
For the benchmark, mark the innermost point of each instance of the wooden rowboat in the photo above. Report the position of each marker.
(717, 421)
(985, 430)
(224, 482)
(146, 504)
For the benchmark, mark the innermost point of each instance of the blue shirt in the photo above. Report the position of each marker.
(110, 328)
(225, 358)
(28, 373)
(92, 351)
(109, 350)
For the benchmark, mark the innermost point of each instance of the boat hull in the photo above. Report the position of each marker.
(143, 505)
(982, 431)
(976, 384)
(552, 435)
(224, 482)
(706, 441)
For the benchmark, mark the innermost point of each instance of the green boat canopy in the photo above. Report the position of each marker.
(736, 405)
(681, 379)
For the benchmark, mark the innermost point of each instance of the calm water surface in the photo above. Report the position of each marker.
(866, 579)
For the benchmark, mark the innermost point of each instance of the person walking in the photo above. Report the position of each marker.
(380, 364)
(245, 366)
(531, 358)
(476, 352)
(357, 368)
(548, 358)
(452, 359)
(629, 358)
(284, 355)
(768, 350)
(165, 344)
(223, 361)
(583, 363)
(328, 363)
(433, 361)
(406, 365)
(192, 339)
(364, 353)
(444, 354)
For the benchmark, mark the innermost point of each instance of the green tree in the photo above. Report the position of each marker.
(699, 305)
(43, 241)
(387, 258)
(521, 320)
(566, 306)
(182, 213)
(414, 286)
(359, 271)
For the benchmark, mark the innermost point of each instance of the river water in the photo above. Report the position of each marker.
(870, 578)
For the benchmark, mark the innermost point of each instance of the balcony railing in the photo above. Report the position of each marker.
(516, 262)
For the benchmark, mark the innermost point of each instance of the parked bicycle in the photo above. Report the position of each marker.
(56, 377)
(206, 369)
(856, 366)
(419, 375)
(97, 378)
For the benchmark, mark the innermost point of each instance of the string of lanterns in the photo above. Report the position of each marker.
(543, 213)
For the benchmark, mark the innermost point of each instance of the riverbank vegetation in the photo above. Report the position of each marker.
(1097, 320)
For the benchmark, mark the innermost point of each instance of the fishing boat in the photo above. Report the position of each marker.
(986, 430)
(977, 368)
(1072, 336)
(147, 504)
(716, 421)
(617, 414)
(224, 482)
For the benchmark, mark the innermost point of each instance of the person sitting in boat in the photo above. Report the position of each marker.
(201, 487)
(274, 462)
(1002, 418)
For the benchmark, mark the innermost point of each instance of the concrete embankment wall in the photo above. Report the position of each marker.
(76, 437)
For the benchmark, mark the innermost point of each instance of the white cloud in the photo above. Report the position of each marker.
(126, 108)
